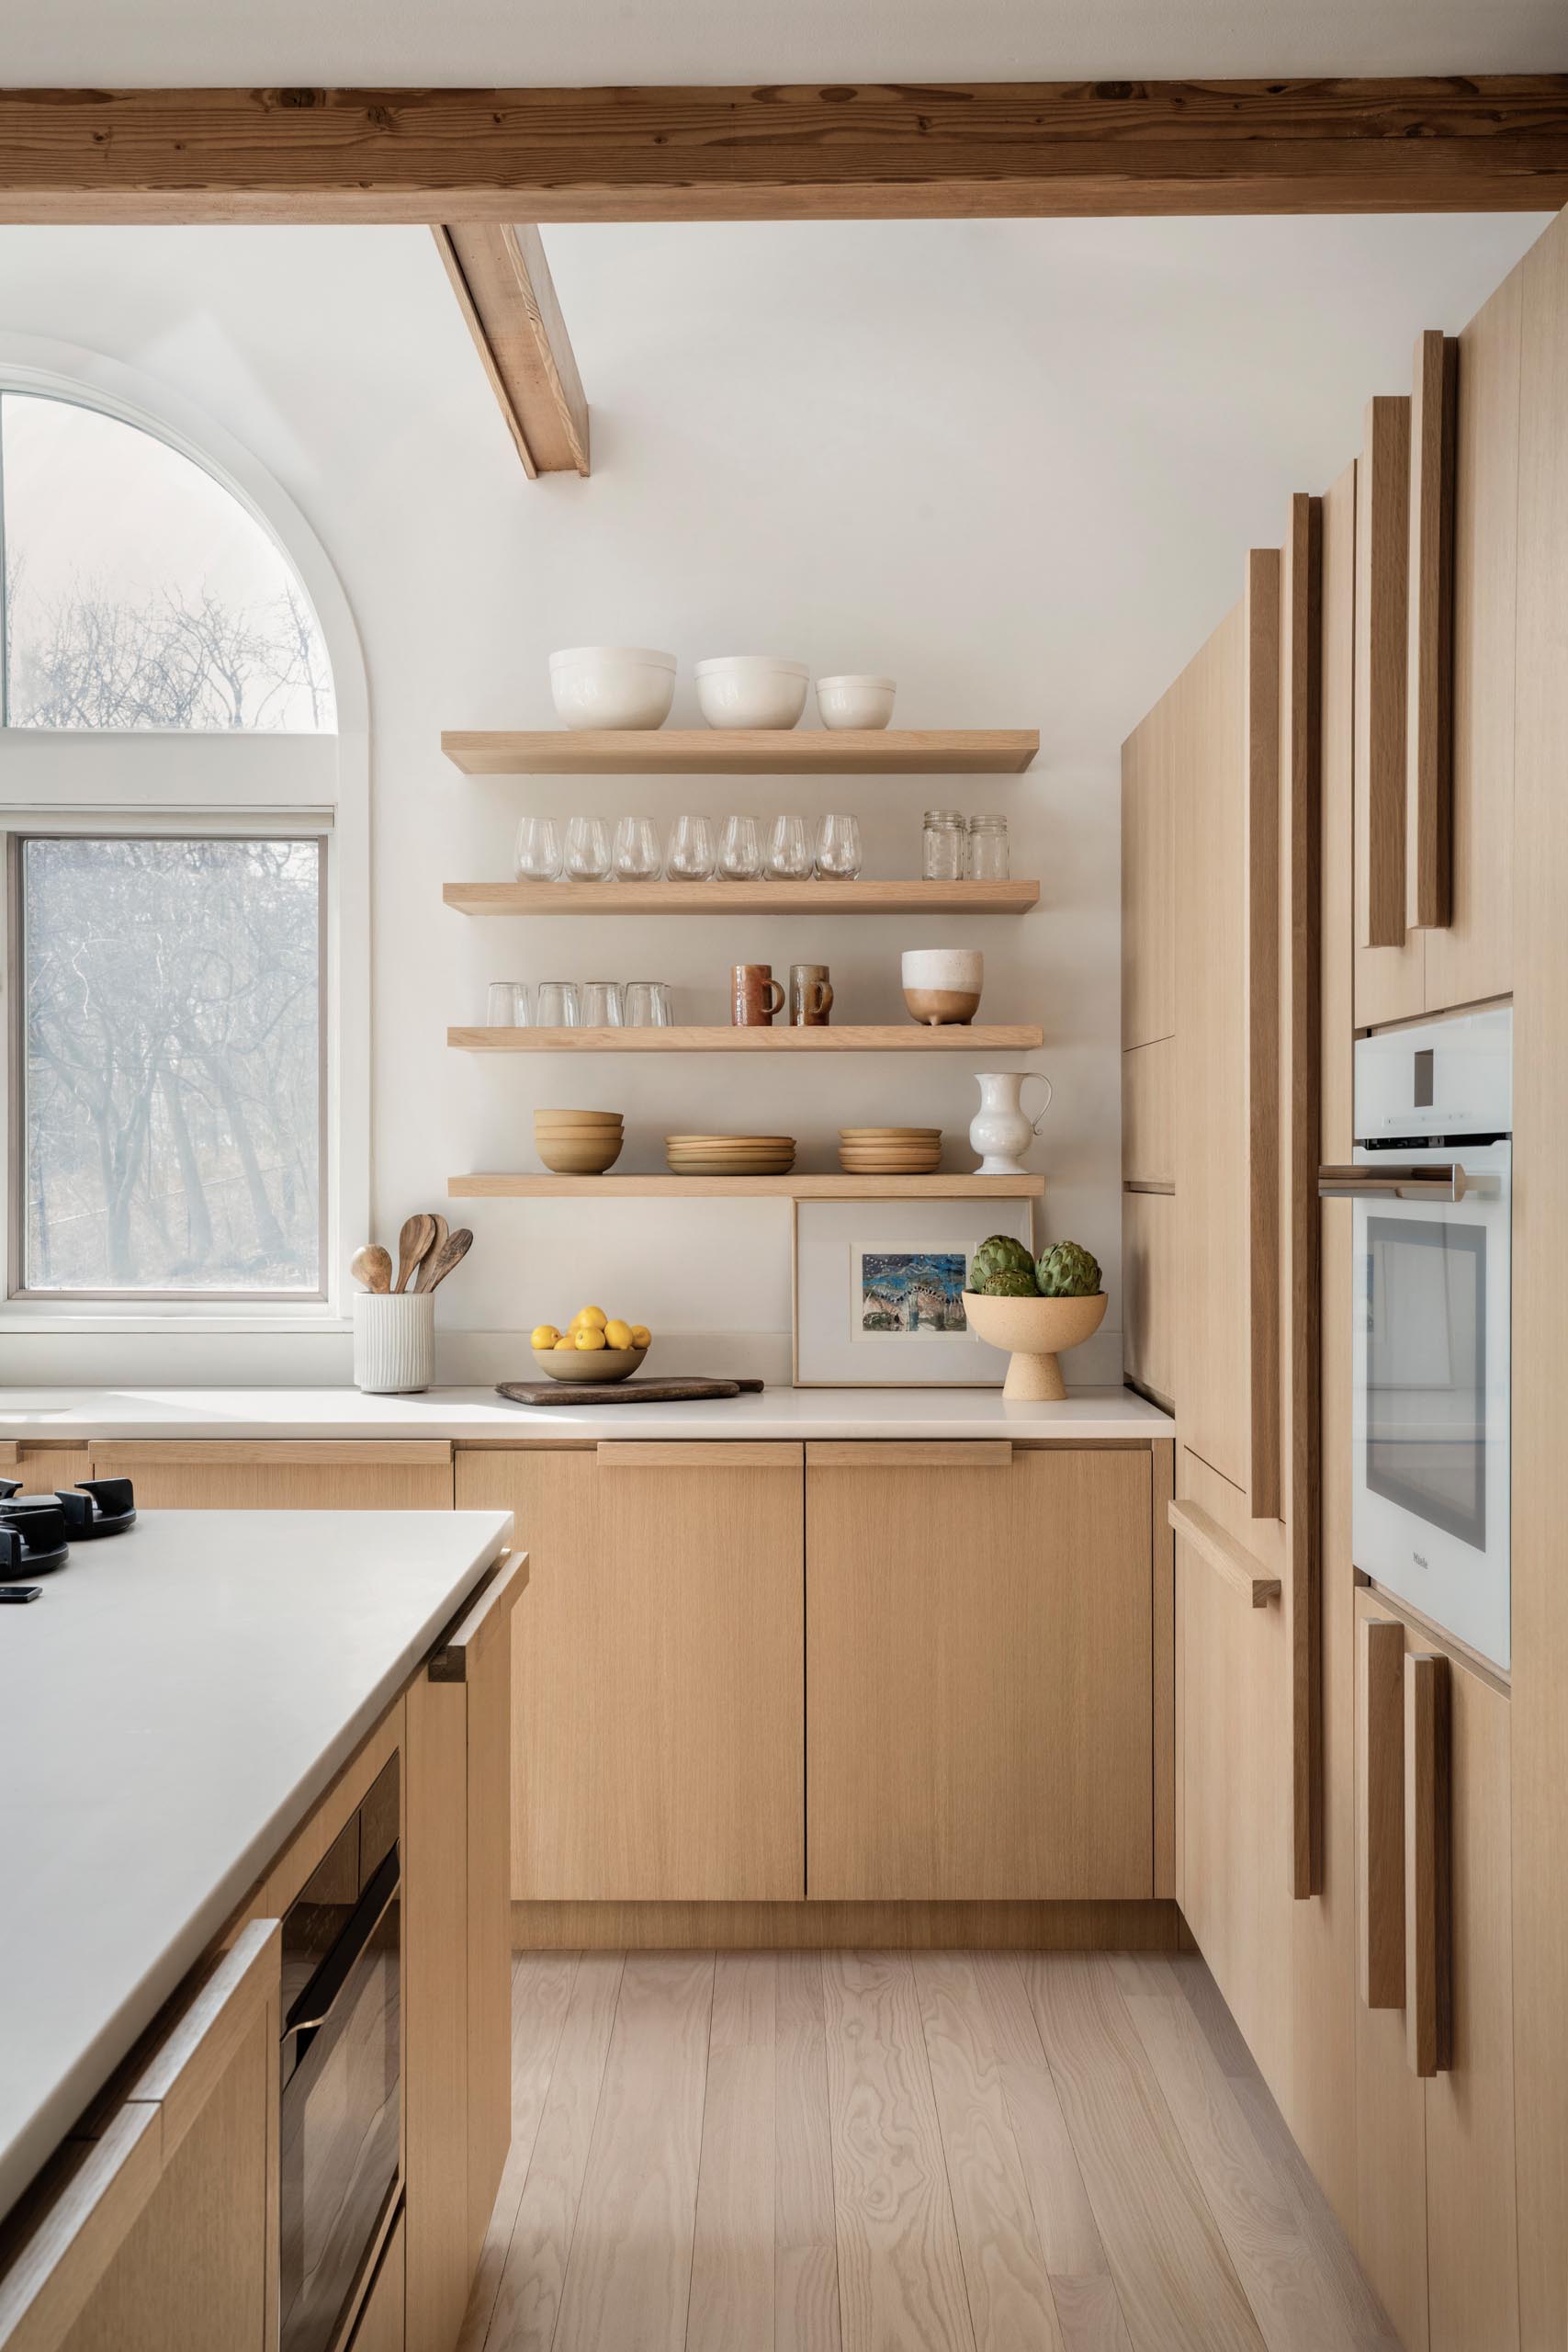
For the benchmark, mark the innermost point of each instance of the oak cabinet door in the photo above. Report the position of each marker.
(657, 1718)
(978, 1676)
(282, 1474)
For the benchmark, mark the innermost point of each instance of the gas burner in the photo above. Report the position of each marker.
(37, 1531)
(95, 1507)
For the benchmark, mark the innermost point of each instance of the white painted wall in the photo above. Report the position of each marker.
(1014, 463)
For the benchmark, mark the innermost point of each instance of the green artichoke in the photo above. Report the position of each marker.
(1067, 1270)
(1009, 1281)
(1000, 1254)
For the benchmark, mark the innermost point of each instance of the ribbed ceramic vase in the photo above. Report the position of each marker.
(394, 1341)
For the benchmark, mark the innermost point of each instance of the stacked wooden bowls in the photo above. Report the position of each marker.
(578, 1142)
(889, 1151)
(729, 1155)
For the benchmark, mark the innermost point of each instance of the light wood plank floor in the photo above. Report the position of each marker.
(896, 2152)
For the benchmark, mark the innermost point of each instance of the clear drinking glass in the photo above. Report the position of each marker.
(558, 1004)
(506, 1005)
(538, 855)
(837, 849)
(587, 850)
(648, 1005)
(789, 851)
(637, 854)
(943, 845)
(739, 850)
(601, 1004)
(988, 844)
(691, 850)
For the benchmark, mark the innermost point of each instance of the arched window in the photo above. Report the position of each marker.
(172, 797)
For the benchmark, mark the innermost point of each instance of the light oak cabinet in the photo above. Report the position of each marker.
(979, 1673)
(281, 1473)
(657, 1670)
(382, 2322)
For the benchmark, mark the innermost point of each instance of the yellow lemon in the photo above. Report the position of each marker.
(593, 1318)
(564, 1347)
(589, 1338)
(545, 1335)
(617, 1334)
(641, 1336)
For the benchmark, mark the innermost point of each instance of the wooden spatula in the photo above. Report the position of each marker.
(438, 1242)
(440, 1262)
(372, 1266)
(413, 1245)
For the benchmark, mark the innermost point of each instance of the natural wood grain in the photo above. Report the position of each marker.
(1148, 1138)
(1428, 858)
(1379, 1823)
(218, 1474)
(875, 150)
(914, 1038)
(901, 2283)
(978, 1663)
(1428, 1894)
(862, 897)
(1150, 814)
(806, 2280)
(1162, 1462)
(437, 2248)
(720, 750)
(1261, 987)
(1388, 965)
(506, 294)
(61, 2239)
(487, 1688)
(1231, 1562)
(382, 2322)
(693, 1453)
(909, 1454)
(733, 2249)
(1131, 1926)
(798, 1186)
(542, 1989)
(629, 2276)
(1149, 1286)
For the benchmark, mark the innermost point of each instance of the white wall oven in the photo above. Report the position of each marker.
(1431, 1187)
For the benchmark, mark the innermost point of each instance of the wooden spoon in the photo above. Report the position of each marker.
(413, 1245)
(441, 1262)
(437, 1243)
(372, 1265)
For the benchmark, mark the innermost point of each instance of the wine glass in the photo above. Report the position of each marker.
(837, 849)
(739, 850)
(538, 857)
(691, 850)
(587, 850)
(789, 851)
(637, 854)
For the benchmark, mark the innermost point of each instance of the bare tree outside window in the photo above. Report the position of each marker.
(174, 1065)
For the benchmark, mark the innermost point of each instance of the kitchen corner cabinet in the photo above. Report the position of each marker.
(281, 1473)
(979, 1672)
(658, 1724)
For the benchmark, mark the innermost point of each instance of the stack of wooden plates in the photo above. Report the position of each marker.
(889, 1151)
(729, 1155)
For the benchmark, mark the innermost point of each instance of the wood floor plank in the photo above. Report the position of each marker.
(805, 2267)
(628, 2279)
(1011, 2306)
(541, 1994)
(1087, 2307)
(900, 2272)
(731, 2300)
(1178, 2289)
(527, 2303)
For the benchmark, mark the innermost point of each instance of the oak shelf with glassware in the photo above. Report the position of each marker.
(712, 750)
(500, 1185)
(862, 897)
(908, 1038)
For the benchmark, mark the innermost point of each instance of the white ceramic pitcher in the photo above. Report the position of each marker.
(1002, 1130)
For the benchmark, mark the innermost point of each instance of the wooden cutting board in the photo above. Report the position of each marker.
(622, 1391)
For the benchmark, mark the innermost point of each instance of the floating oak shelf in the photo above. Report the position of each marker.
(1001, 1037)
(712, 750)
(741, 898)
(504, 1187)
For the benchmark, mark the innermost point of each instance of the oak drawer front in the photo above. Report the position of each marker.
(980, 1680)
(282, 1474)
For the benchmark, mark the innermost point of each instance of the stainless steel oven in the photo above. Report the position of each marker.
(1431, 1184)
(342, 2067)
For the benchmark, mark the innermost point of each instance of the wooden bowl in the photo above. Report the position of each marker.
(578, 1155)
(943, 1008)
(1035, 1330)
(589, 1363)
(578, 1118)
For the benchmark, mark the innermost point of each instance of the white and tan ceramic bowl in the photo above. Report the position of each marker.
(589, 1363)
(943, 985)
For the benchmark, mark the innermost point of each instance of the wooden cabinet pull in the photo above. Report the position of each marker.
(872, 1453)
(693, 1453)
(1428, 1925)
(485, 1613)
(1231, 1561)
(1429, 726)
(1380, 1958)
(1382, 580)
(1260, 722)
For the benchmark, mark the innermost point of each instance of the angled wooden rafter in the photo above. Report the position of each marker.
(508, 299)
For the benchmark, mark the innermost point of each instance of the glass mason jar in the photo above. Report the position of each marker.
(988, 847)
(943, 845)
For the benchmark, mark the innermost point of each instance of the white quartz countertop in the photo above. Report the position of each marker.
(480, 1413)
(170, 1710)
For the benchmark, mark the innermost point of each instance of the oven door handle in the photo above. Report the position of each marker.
(315, 2003)
(1432, 1181)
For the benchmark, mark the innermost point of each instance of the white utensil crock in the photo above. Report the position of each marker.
(394, 1341)
(1002, 1130)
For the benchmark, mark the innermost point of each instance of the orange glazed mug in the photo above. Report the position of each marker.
(755, 996)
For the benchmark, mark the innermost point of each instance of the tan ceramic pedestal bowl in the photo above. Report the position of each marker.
(943, 1008)
(589, 1363)
(1035, 1330)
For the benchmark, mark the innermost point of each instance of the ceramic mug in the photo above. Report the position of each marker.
(755, 996)
(810, 996)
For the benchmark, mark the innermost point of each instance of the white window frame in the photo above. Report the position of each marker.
(178, 780)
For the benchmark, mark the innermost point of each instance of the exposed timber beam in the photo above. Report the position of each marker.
(1473, 143)
(506, 292)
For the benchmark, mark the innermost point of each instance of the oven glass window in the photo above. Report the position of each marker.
(1426, 1287)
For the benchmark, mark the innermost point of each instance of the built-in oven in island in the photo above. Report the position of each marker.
(340, 2174)
(1432, 1226)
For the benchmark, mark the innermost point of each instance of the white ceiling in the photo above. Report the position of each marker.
(74, 43)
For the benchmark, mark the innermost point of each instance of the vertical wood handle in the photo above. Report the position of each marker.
(1261, 739)
(1429, 726)
(1381, 1956)
(1382, 596)
(1428, 1924)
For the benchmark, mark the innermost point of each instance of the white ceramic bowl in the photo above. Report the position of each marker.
(751, 690)
(612, 685)
(855, 702)
(944, 967)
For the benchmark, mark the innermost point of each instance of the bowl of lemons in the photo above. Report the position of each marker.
(594, 1346)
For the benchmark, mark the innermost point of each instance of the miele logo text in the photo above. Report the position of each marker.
(1419, 1559)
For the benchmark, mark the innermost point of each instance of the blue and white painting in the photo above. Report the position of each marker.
(909, 1294)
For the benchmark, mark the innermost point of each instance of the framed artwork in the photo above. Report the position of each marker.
(879, 1291)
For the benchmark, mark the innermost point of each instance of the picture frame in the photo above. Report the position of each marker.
(876, 1292)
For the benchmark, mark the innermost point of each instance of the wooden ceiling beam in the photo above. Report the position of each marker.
(875, 150)
(506, 294)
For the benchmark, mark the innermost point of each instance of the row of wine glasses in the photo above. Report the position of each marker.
(737, 852)
(596, 1004)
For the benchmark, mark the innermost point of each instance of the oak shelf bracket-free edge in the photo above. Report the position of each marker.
(1006, 1037)
(862, 897)
(715, 750)
(501, 1187)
